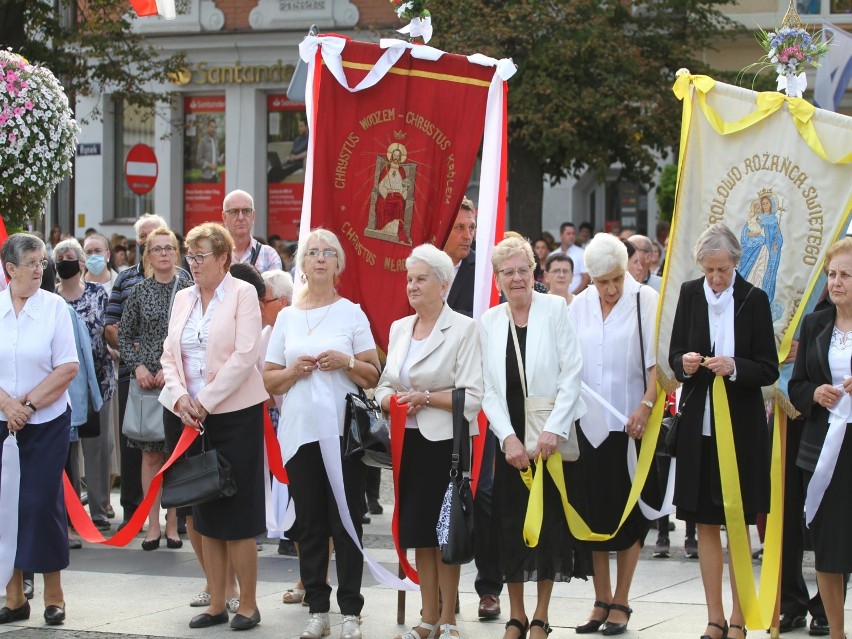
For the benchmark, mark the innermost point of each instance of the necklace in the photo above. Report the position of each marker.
(311, 329)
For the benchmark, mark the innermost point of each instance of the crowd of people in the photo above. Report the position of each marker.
(209, 327)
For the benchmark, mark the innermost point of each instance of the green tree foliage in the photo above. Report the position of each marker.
(666, 192)
(88, 45)
(593, 87)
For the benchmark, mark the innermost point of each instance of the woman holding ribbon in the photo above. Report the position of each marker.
(39, 361)
(538, 327)
(211, 380)
(430, 353)
(616, 317)
(820, 389)
(722, 330)
(321, 349)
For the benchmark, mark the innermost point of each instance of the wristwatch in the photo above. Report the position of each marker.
(351, 363)
(648, 403)
(30, 405)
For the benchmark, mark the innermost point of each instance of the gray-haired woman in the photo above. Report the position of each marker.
(722, 328)
(430, 353)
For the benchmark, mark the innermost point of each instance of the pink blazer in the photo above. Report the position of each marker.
(233, 346)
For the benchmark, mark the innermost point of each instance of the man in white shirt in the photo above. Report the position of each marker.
(640, 264)
(238, 217)
(567, 237)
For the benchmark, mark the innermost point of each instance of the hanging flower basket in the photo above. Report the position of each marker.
(38, 136)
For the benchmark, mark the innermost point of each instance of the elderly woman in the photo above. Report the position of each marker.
(430, 353)
(619, 365)
(89, 301)
(550, 363)
(558, 273)
(211, 380)
(143, 328)
(321, 349)
(39, 361)
(820, 389)
(722, 328)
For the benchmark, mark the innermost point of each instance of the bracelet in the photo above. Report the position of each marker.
(427, 398)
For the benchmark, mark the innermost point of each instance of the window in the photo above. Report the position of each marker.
(132, 126)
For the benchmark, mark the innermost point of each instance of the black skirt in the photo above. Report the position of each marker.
(238, 436)
(424, 475)
(831, 527)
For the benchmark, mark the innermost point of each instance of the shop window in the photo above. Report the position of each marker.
(132, 126)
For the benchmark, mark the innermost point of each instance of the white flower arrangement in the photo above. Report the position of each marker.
(38, 136)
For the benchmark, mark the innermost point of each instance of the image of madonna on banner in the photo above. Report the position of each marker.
(396, 129)
(778, 172)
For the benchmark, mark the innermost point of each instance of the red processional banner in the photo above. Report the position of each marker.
(391, 164)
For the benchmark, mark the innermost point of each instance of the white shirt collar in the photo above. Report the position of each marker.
(219, 292)
(32, 307)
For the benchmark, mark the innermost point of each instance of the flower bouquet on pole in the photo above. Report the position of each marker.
(421, 20)
(38, 136)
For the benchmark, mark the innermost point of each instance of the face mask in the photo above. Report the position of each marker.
(96, 264)
(67, 269)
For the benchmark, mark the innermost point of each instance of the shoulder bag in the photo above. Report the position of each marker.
(538, 409)
(195, 480)
(366, 431)
(455, 521)
(143, 415)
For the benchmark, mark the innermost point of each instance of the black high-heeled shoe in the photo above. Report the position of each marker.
(538, 623)
(724, 630)
(521, 626)
(610, 629)
(592, 625)
(742, 629)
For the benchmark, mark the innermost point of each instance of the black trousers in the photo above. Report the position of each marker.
(130, 460)
(374, 482)
(489, 580)
(317, 519)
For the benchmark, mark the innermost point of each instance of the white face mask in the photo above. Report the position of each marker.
(96, 264)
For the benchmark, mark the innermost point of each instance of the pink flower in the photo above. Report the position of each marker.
(3, 118)
(11, 76)
(18, 111)
(783, 57)
(28, 105)
(12, 138)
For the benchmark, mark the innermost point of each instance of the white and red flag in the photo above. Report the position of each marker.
(165, 8)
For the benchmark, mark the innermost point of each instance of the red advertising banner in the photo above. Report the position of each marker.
(391, 165)
(286, 148)
(203, 160)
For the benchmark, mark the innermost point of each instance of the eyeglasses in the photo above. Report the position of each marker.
(561, 271)
(328, 253)
(34, 266)
(245, 212)
(168, 250)
(198, 259)
(270, 301)
(509, 273)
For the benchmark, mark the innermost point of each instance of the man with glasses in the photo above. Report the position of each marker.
(131, 458)
(567, 246)
(238, 217)
(640, 264)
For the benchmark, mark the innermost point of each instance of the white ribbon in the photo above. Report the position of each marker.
(840, 415)
(332, 48)
(10, 483)
(794, 88)
(418, 28)
(632, 458)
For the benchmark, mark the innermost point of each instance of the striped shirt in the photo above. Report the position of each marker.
(267, 257)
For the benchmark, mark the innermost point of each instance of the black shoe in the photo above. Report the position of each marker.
(29, 588)
(757, 554)
(365, 520)
(8, 615)
(592, 625)
(74, 543)
(181, 525)
(84, 498)
(374, 507)
(788, 621)
(54, 615)
(205, 620)
(110, 513)
(286, 547)
(174, 544)
(819, 627)
(151, 544)
(661, 549)
(102, 524)
(609, 628)
(691, 548)
(241, 622)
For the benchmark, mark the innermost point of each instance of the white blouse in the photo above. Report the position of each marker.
(34, 343)
(193, 341)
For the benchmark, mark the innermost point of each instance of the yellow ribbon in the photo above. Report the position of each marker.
(758, 609)
(578, 527)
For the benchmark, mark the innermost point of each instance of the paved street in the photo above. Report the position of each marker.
(128, 592)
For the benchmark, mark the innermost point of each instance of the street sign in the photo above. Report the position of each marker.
(140, 169)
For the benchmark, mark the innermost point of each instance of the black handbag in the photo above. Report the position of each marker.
(455, 523)
(366, 434)
(92, 427)
(667, 441)
(198, 479)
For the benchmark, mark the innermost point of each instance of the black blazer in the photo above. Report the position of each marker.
(460, 297)
(756, 360)
(810, 371)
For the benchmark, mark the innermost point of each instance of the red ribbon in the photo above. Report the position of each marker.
(82, 523)
(398, 415)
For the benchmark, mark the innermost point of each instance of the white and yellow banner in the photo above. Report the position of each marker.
(778, 173)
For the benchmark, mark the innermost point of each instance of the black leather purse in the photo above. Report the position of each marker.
(198, 479)
(92, 427)
(455, 523)
(366, 433)
(667, 441)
